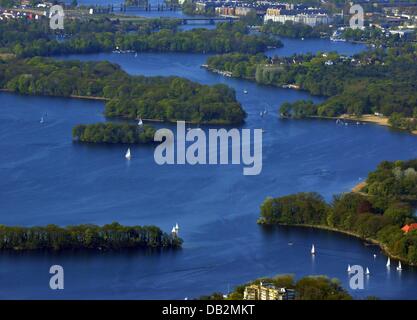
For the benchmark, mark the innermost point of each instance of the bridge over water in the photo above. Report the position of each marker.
(207, 20)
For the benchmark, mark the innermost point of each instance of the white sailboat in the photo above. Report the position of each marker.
(374, 256)
(399, 266)
(388, 262)
(245, 91)
(140, 122)
(313, 249)
(128, 154)
(177, 228)
(349, 268)
(367, 271)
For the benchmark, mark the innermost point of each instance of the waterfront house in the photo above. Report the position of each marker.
(409, 227)
(267, 291)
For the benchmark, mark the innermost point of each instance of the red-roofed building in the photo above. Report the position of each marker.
(409, 227)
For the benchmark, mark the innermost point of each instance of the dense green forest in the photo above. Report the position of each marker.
(35, 38)
(113, 133)
(108, 237)
(290, 29)
(306, 288)
(29, 38)
(376, 37)
(240, 65)
(378, 212)
(380, 80)
(161, 98)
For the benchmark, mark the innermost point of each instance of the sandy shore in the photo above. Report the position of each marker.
(359, 187)
(369, 118)
(88, 97)
(382, 121)
(6, 56)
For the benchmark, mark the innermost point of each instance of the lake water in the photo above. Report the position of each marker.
(45, 178)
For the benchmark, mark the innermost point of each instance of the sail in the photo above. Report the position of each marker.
(399, 265)
(140, 123)
(388, 262)
(367, 271)
(313, 250)
(177, 228)
(349, 268)
(128, 155)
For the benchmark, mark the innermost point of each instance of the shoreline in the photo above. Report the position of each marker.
(216, 123)
(357, 188)
(73, 96)
(383, 247)
(367, 118)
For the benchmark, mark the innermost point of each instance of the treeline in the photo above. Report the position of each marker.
(239, 64)
(400, 121)
(290, 29)
(378, 212)
(306, 288)
(113, 133)
(35, 38)
(87, 236)
(131, 97)
(30, 38)
(381, 81)
(376, 37)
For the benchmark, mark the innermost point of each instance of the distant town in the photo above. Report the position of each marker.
(395, 18)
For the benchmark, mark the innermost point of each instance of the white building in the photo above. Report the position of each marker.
(312, 19)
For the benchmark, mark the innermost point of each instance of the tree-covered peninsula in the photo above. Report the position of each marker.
(378, 212)
(112, 133)
(35, 38)
(380, 81)
(87, 236)
(130, 97)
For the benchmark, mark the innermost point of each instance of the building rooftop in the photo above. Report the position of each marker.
(409, 227)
